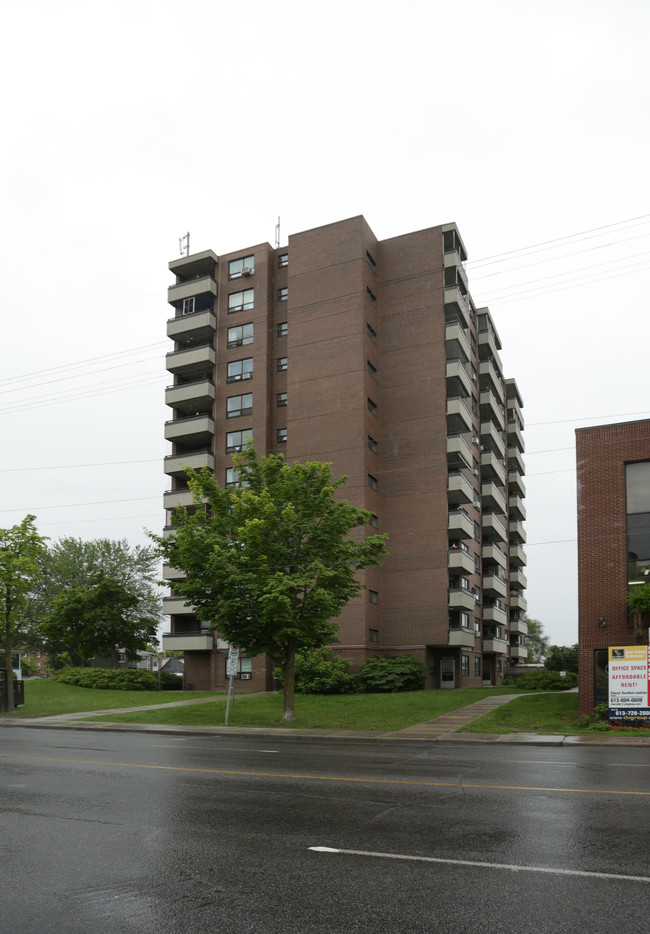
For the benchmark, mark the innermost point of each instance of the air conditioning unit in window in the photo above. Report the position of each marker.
(245, 676)
(247, 271)
(247, 376)
(476, 471)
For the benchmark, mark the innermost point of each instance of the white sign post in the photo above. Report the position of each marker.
(232, 664)
(629, 684)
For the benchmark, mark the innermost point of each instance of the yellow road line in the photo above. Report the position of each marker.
(325, 778)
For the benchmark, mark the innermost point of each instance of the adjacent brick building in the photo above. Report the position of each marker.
(613, 476)
(371, 355)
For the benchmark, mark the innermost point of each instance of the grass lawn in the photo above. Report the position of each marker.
(538, 713)
(380, 712)
(45, 698)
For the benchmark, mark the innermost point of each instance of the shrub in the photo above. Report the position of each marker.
(390, 673)
(117, 679)
(320, 671)
(546, 681)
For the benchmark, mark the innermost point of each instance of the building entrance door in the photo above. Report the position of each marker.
(487, 670)
(447, 673)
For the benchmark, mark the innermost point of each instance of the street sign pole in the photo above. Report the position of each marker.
(231, 670)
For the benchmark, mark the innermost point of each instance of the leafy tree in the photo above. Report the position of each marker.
(536, 640)
(73, 563)
(100, 618)
(272, 560)
(562, 658)
(20, 549)
(320, 671)
(638, 603)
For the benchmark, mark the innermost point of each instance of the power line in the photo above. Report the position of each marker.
(84, 362)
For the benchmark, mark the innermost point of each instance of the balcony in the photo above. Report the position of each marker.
(203, 285)
(496, 555)
(492, 438)
(495, 614)
(492, 497)
(519, 652)
(458, 381)
(459, 560)
(515, 482)
(461, 637)
(518, 579)
(176, 606)
(195, 430)
(458, 451)
(456, 344)
(172, 574)
(459, 417)
(492, 468)
(195, 266)
(516, 508)
(489, 345)
(192, 397)
(518, 601)
(494, 585)
(176, 464)
(515, 437)
(197, 327)
(517, 556)
(174, 498)
(187, 641)
(517, 533)
(460, 599)
(459, 524)
(192, 362)
(494, 646)
(518, 627)
(493, 526)
(490, 379)
(515, 460)
(491, 409)
(459, 489)
(456, 307)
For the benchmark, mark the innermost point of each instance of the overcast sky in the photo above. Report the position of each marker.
(128, 124)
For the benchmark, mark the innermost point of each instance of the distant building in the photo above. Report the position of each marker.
(613, 477)
(371, 355)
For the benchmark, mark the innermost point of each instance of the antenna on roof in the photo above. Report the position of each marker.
(186, 238)
(277, 234)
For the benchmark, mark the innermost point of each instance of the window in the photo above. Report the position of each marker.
(282, 436)
(241, 301)
(282, 364)
(464, 620)
(245, 266)
(477, 667)
(477, 625)
(240, 335)
(283, 294)
(464, 583)
(373, 521)
(240, 369)
(236, 440)
(372, 408)
(371, 295)
(372, 482)
(373, 635)
(370, 261)
(232, 478)
(283, 329)
(499, 667)
(464, 666)
(370, 331)
(281, 399)
(189, 305)
(371, 369)
(283, 260)
(373, 596)
(239, 405)
(244, 668)
(372, 444)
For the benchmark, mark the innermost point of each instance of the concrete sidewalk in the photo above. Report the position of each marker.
(437, 730)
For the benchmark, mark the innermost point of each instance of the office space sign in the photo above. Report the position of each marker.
(629, 687)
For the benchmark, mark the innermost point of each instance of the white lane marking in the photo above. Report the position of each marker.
(468, 862)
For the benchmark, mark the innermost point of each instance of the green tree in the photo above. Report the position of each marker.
(98, 619)
(536, 640)
(20, 549)
(638, 603)
(73, 562)
(272, 561)
(562, 658)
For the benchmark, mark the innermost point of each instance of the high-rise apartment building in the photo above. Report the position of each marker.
(370, 355)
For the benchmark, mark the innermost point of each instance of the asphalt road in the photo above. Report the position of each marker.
(117, 833)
